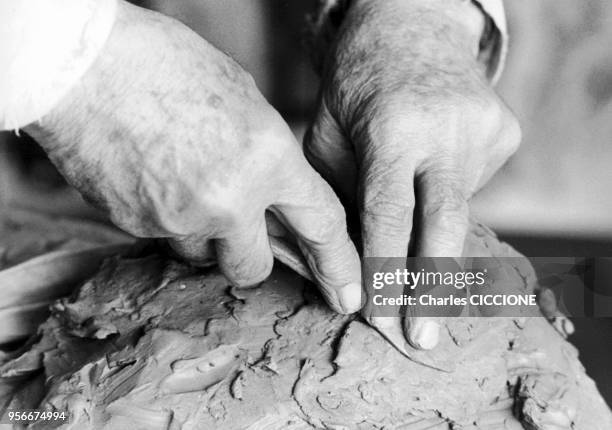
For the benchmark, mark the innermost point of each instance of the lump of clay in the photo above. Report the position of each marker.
(151, 344)
(43, 258)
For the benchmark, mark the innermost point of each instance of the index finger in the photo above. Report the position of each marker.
(443, 224)
(444, 214)
(387, 207)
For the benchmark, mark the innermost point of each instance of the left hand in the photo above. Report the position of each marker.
(407, 120)
(172, 139)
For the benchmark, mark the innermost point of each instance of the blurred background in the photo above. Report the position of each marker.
(552, 199)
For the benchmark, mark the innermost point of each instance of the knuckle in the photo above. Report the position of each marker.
(447, 202)
(491, 111)
(249, 271)
(324, 131)
(229, 209)
(271, 138)
(315, 154)
(511, 135)
(385, 115)
(225, 215)
(332, 265)
(388, 197)
(388, 212)
(232, 216)
(332, 224)
(376, 121)
(487, 110)
(173, 206)
(387, 123)
(323, 262)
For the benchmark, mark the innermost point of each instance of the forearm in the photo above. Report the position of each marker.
(410, 37)
(420, 25)
(410, 27)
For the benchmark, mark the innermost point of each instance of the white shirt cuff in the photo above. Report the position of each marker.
(45, 48)
(497, 47)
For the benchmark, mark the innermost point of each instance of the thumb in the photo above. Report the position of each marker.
(311, 211)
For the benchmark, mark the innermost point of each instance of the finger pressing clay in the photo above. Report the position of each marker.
(149, 343)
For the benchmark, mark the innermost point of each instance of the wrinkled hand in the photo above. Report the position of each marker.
(172, 139)
(407, 130)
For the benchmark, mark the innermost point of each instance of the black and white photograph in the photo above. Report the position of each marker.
(305, 214)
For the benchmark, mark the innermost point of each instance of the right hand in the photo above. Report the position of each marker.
(171, 138)
(408, 129)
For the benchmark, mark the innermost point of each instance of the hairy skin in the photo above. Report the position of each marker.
(172, 139)
(408, 129)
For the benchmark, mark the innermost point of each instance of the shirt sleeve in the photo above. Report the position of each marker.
(494, 43)
(45, 48)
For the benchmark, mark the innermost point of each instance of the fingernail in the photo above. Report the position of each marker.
(557, 418)
(425, 335)
(520, 321)
(382, 323)
(350, 298)
(568, 326)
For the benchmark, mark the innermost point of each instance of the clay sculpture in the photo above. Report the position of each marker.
(150, 343)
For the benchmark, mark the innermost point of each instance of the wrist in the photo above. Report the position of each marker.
(414, 24)
(458, 23)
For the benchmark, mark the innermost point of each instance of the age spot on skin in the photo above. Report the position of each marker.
(115, 136)
(599, 84)
(214, 101)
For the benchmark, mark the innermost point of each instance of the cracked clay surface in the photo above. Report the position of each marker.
(152, 344)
